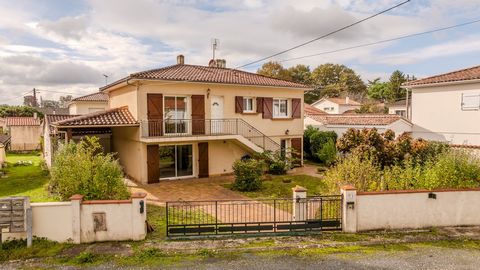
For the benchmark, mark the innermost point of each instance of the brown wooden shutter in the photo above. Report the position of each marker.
(155, 114)
(267, 108)
(238, 104)
(203, 159)
(198, 114)
(259, 104)
(153, 164)
(296, 108)
(297, 146)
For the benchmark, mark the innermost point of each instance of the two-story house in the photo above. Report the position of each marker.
(336, 105)
(185, 121)
(446, 107)
(95, 102)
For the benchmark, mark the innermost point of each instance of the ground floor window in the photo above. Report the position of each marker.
(176, 161)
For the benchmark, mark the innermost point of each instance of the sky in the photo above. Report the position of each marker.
(67, 46)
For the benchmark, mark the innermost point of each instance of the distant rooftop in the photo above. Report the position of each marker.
(357, 119)
(472, 73)
(98, 96)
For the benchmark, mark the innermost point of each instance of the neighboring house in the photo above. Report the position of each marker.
(310, 110)
(25, 133)
(341, 123)
(399, 107)
(446, 107)
(184, 121)
(337, 105)
(51, 110)
(96, 102)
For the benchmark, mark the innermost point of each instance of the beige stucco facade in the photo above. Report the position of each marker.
(25, 138)
(131, 146)
(437, 113)
(334, 108)
(86, 107)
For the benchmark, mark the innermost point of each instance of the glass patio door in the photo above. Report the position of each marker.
(176, 161)
(175, 112)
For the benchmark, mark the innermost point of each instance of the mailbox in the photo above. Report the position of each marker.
(13, 214)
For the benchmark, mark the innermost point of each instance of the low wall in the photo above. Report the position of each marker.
(410, 209)
(81, 221)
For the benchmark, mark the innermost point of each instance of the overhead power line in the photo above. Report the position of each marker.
(323, 36)
(382, 41)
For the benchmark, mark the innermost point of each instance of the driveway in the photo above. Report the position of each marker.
(201, 189)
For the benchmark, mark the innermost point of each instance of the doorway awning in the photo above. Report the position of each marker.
(117, 117)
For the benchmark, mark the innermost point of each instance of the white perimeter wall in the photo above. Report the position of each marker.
(402, 210)
(73, 221)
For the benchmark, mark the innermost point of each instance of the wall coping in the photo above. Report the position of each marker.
(107, 202)
(348, 187)
(137, 195)
(46, 204)
(298, 188)
(386, 192)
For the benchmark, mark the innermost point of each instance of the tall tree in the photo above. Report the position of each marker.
(300, 74)
(334, 80)
(378, 90)
(274, 70)
(396, 80)
(64, 100)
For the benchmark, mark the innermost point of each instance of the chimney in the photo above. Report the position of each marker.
(212, 63)
(221, 63)
(180, 59)
(347, 100)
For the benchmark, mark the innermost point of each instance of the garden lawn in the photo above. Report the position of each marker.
(25, 180)
(280, 186)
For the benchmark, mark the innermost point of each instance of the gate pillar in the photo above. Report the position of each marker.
(349, 208)
(299, 203)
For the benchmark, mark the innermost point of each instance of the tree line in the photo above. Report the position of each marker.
(335, 80)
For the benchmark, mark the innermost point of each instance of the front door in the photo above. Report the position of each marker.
(216, 114)
(203, 159)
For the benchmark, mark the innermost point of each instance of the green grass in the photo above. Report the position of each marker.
(156, 218)
(27, 180)
(281, 186)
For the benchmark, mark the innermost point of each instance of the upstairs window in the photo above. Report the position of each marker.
(248, 104)
(470, 102)
(280, 108)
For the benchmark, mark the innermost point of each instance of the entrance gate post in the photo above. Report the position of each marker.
(299, 203)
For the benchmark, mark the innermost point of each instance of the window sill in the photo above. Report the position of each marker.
(282, 118)
(252, 112)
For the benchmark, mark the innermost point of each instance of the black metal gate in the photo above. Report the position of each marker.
(194, 218)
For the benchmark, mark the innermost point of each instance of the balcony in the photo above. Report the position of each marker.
(168, 128)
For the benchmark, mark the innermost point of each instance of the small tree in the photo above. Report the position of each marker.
(248, 174)
(328, 153)
(82, 168)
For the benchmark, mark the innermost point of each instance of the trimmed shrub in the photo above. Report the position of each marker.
(248, 174)
(306, 140)
(318, 140)
(84, 169)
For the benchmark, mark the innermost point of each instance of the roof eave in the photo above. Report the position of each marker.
(440, 84)
(95, 126)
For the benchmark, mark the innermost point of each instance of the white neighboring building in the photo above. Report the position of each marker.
(399, 108)
(446, 107)
(341, 123)
(336, 105)
(96, 102)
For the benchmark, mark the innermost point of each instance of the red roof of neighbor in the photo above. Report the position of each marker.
(51, 118)
(99, 96)
(194, 73)
(310, 110)
(113, 117)
(22, 121)
(472, 73)
(357, 119)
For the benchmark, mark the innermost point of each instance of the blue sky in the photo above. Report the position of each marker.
(67, 46)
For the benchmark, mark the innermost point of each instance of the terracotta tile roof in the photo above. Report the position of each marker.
(310, 110)
(4, 139)
(98, 96)
(51, 118)
(205, 74)
(23, 121)
(50, 110)
(357, 119)
(343, 101)
(113, 117)
(472, 73)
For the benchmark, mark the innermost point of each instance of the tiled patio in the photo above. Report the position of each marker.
(188, 190)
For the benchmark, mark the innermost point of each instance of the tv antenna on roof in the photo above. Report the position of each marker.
(215, 45)
(106, 78)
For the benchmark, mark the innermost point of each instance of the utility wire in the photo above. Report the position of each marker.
(324, 36)
(382, 41)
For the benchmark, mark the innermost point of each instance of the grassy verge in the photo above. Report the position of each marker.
(25, 180)
(281, 186)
